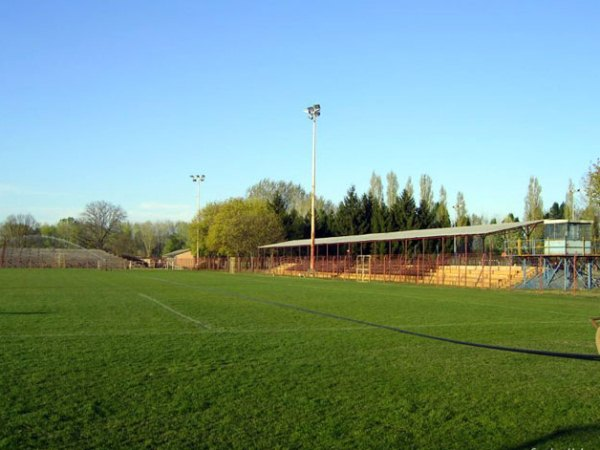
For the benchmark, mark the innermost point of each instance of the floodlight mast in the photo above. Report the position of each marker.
(313, 112)
(572, 201)
(197, 179)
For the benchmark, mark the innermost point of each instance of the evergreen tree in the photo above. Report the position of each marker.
(556, 211)
(425, 216)
(403, 213)
(324, 223)
(379, 224)
(366, 213)
(347, 217)
(510, 218)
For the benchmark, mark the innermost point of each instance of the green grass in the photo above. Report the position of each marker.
(89, 359)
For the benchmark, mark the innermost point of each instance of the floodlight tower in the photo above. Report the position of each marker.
(197, 179)
(455, 207)
(572, 193)
(313, 112)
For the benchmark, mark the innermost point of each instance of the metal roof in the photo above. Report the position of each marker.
(431, 233)
(175, 253)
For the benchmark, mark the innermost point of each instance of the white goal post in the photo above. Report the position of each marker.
(363, 268)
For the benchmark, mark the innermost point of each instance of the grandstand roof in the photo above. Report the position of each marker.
(431, 233)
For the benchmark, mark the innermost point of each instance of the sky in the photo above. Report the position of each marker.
(122, 101)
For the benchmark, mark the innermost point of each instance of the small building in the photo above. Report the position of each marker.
(179, 259)
(565, 237)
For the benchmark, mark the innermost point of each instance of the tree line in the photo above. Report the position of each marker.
(274, 211)
(101, 225)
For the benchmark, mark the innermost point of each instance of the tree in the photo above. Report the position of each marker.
(476, 220)
(592, 184)
(347, 217)
(410, 190)
(376, 188)
(462, 217)
(403, 213)
(17, 227)
(100, 221)
(379, 224)
(47, 229)
(534, 207)
(442, 216)
(294, 225)
(392, 189)
(148, 234)
(569, 204)
(426, 190)
(366, 214)
(292, 195)
(68, 229)
(324, 223)
(241, 226)
(122, 241)
(200, 226)
(556, 211)
(510, 218)
(176, 236)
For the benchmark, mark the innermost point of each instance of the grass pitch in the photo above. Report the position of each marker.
(150, 359)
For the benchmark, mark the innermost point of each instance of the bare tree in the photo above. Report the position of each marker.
(442, 216)
(591, 187)
(534, 207)
(426, 189)
(392, 189)
(16, 227)
(148, 235)
(293, 195)
(410, 190)
(100, 221)
(376, 188)
(569, 211)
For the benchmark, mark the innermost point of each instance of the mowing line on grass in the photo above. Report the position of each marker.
(565, 355)
(486, 304)
(174, 311)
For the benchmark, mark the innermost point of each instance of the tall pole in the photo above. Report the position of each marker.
(455, 224)
(312, 196)
(197, 179)
(313, 112)
(572, 201)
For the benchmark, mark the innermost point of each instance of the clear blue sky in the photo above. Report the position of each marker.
(123, 100)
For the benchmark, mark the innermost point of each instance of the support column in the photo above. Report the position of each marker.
(566, 272)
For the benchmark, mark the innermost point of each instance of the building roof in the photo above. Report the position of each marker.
(175, 253)
(431, 233)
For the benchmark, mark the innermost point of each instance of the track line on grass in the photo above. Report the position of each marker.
(564, 355)
(174, 311)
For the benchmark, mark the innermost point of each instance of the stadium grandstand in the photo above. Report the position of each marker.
(556, 254)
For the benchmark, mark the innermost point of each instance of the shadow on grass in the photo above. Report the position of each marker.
(574, 436)
(24, 313)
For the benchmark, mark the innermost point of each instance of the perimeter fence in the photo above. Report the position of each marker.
(59, 258)
(478, 271)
